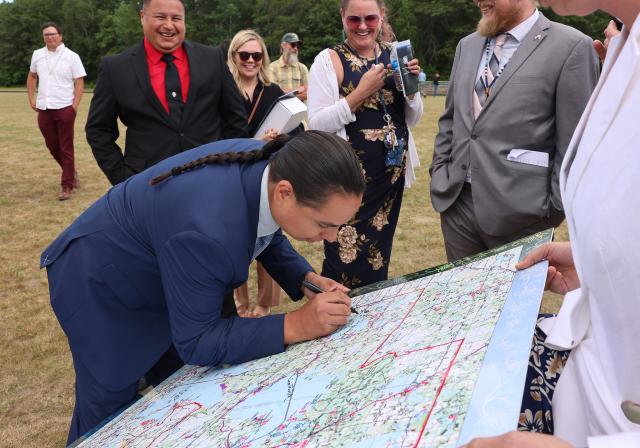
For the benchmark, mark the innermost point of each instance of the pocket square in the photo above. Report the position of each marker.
(529, 157)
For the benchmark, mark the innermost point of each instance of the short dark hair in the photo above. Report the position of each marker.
(51, 25)
(318, 164)
(145, 3)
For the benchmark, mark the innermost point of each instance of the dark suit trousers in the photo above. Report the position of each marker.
(94, 403)
(462, 234)
(56, 126)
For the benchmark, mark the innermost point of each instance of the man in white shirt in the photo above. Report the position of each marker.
(59, 74)
(517, 89)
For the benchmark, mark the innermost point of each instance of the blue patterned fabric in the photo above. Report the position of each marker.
(545, 367)
(261, 244)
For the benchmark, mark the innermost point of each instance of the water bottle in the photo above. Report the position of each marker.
(395, 66)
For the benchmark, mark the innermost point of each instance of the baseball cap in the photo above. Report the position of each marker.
(290, 38)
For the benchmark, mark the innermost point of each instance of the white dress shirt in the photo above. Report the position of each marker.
(266, 224)
(600, 321)
(516, 34)
(57, 71)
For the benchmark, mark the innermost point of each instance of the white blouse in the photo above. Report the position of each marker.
(601, 320)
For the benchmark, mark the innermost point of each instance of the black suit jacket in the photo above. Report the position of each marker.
(214, 110)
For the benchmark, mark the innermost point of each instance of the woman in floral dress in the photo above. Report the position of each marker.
(352, 92)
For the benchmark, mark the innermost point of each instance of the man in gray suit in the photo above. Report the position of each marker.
(518, 87)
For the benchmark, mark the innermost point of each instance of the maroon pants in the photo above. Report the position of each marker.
(56, 126)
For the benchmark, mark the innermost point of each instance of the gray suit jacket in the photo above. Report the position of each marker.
(535, 104)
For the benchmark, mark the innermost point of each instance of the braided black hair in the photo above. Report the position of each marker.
(224, 158)
(316, 163)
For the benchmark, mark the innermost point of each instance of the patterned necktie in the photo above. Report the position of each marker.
(261, 244)
(173, 88)
(488, 76)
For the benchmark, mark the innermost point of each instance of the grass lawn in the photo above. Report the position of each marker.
(36, 386)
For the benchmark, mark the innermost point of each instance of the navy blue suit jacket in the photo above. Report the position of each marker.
(146, 266)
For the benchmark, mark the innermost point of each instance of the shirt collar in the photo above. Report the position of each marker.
(521, 30)
(58, 49)
(154, 55)
(266, 224)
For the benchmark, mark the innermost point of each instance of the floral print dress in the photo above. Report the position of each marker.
(361, 254)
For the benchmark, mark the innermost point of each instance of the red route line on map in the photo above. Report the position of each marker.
(367, 362)
(176, 407)
(408, 390)
(407, 353)
(399, 294)
(371, 361)
(435, 399)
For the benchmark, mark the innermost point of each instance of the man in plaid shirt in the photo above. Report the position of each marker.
(288, 72)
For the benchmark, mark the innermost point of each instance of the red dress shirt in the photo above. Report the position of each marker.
(157, 68)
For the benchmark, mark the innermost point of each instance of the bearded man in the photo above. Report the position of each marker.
(518, 87)
(289, 73)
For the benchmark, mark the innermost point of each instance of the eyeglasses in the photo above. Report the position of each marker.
(245, 55)
(50, 34)
(294, 44)
(371, 21)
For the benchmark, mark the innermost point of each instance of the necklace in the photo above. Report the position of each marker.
(365, 61)
(393, 146)
(487, 61)
(57, 59)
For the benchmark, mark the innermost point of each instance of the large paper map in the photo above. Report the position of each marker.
(401, 373)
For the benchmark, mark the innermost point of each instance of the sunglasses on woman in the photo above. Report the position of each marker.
(371, 21)
(245, 55)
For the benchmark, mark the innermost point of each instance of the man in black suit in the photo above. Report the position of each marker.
(171, 94)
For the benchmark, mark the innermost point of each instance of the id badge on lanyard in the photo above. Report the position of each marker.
(394, 145)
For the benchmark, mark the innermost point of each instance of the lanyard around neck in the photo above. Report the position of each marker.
(487, 61)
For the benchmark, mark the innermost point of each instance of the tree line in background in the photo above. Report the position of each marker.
(96, 28)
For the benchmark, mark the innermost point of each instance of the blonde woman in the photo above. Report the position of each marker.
(248, 62)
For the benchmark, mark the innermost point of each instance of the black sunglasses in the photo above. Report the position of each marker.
(294, 44)
(245, 55)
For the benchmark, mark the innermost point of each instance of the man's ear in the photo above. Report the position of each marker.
(283, 192)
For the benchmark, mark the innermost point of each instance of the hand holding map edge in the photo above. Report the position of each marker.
(562, 276)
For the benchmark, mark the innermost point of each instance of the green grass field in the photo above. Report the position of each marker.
(36, 386)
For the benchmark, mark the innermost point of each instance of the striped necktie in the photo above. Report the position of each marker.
(488, 76)
(261, 244)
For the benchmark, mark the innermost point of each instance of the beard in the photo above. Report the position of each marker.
(498, 22)
(290, 57)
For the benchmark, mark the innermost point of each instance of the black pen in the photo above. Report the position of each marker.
(315, 288)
